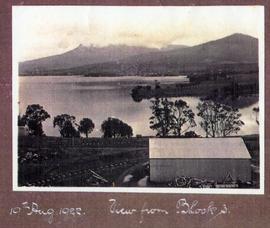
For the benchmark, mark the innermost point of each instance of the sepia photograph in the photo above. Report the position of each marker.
(138, 98)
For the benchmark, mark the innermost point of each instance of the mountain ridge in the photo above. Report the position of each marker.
(122, 59)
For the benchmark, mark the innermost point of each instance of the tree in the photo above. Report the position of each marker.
(219, 120)
(183, 116)
(66, 124)
(135, 93)
(33, 118)
(169, 118)
(125, 130)
(86, 126)
(162, 116)
(115, 128)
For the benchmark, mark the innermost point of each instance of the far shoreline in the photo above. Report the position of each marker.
(102, 76)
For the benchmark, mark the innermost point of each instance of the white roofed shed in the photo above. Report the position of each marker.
(206, 158)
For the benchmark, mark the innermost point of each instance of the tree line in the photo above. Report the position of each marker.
(175, 118)
(169, 118)
(35, 114)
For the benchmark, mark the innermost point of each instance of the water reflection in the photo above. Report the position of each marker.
(99, 98)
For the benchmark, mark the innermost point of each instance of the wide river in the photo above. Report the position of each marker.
(101, 97)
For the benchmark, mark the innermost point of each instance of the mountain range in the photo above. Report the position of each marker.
(229, 53)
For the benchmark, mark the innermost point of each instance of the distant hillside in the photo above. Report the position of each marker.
(229, 53)
(173, 47)
(235, 49)
(82, 55)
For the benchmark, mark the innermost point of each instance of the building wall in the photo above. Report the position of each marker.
(164, 170)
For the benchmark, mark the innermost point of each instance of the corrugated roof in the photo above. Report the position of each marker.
(198, 148)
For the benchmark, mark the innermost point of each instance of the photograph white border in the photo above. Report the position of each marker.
(15, 113)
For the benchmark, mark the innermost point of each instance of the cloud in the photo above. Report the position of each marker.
(46, 30)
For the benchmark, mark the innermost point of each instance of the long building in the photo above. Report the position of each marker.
(204, 158)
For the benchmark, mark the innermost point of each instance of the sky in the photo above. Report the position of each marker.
(40, 31)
